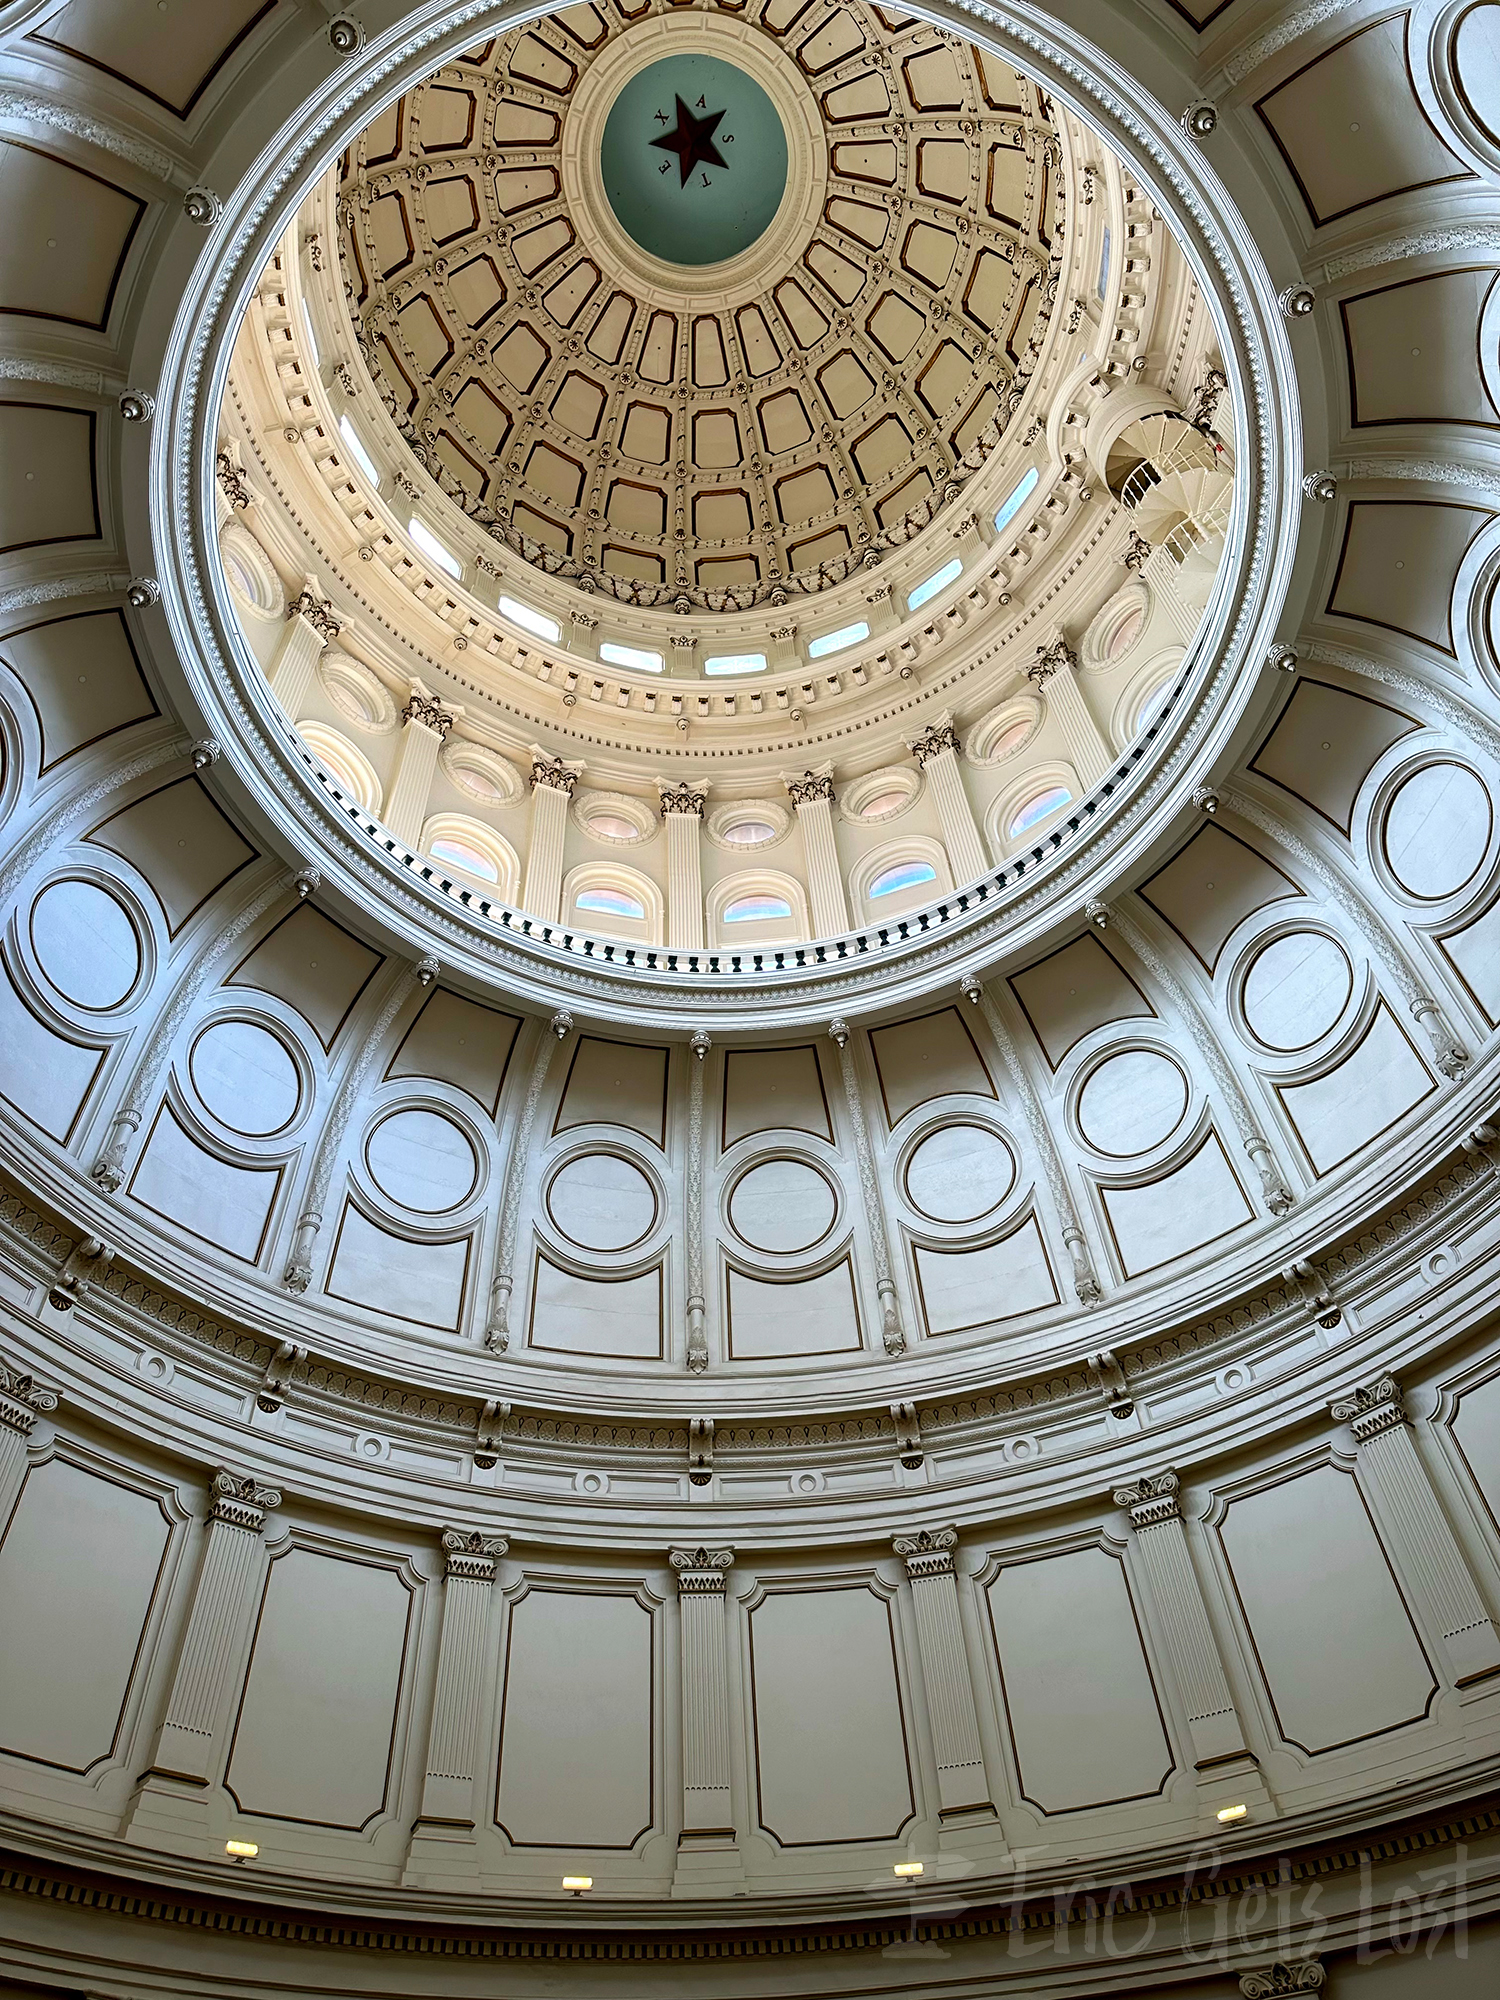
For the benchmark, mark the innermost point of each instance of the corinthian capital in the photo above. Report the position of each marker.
(1151, 1501)
(700, 1572)
(240, 1503)
(929, 1552)
(429, 711)
(1371, 1410)
(315, 608)
(684, 798)
(810, 787)
(934, 740)
(471, 1557)
(552, 774)
(22, 1400)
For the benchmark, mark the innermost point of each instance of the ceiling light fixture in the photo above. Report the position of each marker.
(1233, 1812)
(908, 1868)
(576, 1884)
(241, 1850)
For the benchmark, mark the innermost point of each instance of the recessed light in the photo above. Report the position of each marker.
(1233, 1812)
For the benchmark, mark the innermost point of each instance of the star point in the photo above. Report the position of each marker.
(692, 140)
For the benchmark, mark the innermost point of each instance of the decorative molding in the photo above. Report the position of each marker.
(683, 798)
(692, 1222)
(1412, 243)
(427, 710)
(1424, 471)
(240, 1503)
(318, 611)
(92, 583)
(552, 774)
(1448, 1051)
(1298, 1975)
(1280, 37)
(700, 1450)
(236, 488)
(810, 789)
(471, 1557)
(1372, 1410)
(1275, 1191)
(701, 1572)
(892, 1338)
(929, 1552)
(933, 741)
(1051, 655)
(1152, 1501)
(1086, 1284)
(1466, 720)
(1137, 552)
(22, 1400)
(63, 117)
(497, 1327)
(909, 1449)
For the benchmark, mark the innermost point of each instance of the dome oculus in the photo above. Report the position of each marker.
(694, 160)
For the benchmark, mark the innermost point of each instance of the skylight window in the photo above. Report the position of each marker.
(939, 580)
(432, 548)
(1016, 502)
(312, 338)
(536, 622)
(357, 451)
(630, 656)
(735, 663)
(836, 642)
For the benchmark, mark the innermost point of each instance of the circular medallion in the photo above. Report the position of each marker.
(694, 160)
(1437, 828)
(1132, 1102)
(959, 1173)
(85, 944)
(602, 1202)
(1296, 989)
(423, 1161)
(246, 1077)
(782, 1206)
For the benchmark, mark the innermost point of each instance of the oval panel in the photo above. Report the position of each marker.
(422, 1160)
(85, 943)
(246, 1077)
(782, 1206)
(1295, 990)
(959, 1173)
(1476, 63)
(602, 1202)
(1437, 831)
(1131, 1102)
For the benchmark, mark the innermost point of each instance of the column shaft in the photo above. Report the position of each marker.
(708, 1858)
(1086, 745)
(1430, 1553)
(682, 813)
(1223, 1759)
(963, 1786)
(410, 791)
(294, 666)
(961, 835)
(442, 1849)
(812, 795)
(542, 892)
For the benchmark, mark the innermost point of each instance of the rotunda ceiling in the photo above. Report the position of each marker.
(685, 304)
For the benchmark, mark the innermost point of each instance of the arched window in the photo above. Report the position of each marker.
(756, 909)
(477, 854)
(905, 875)
(349, 768)
(1036, 809)
(610, 902)
(462, 855)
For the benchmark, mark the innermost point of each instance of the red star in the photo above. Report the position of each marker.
(693, 141)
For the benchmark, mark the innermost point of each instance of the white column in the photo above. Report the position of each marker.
(936, 750)
(1227, 1771)
(427, 723)
(310, 624)
(170, 1806)
(1431, 1559)
(963, 1786)
(442, 1840)
(682, 813)
(708, 1857)
(697, 1341)
(552, 783)
(1054, 676)
(812, 795)
(21, 1402)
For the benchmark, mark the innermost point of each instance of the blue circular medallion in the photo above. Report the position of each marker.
(694, 160)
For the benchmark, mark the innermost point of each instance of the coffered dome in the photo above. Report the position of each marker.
(710, 383)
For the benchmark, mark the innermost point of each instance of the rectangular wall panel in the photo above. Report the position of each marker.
(578, 1721)
(80, 1567)
(1378, 1083)
(422, 1282)
(804, 1316)
(832, 1754)
(1085, 1722)
(964, 1288)
(1335, 1677)
(222, 1204)
(43, 1076)
(616, 1317)
(316, 1729)
(1194, 1205)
